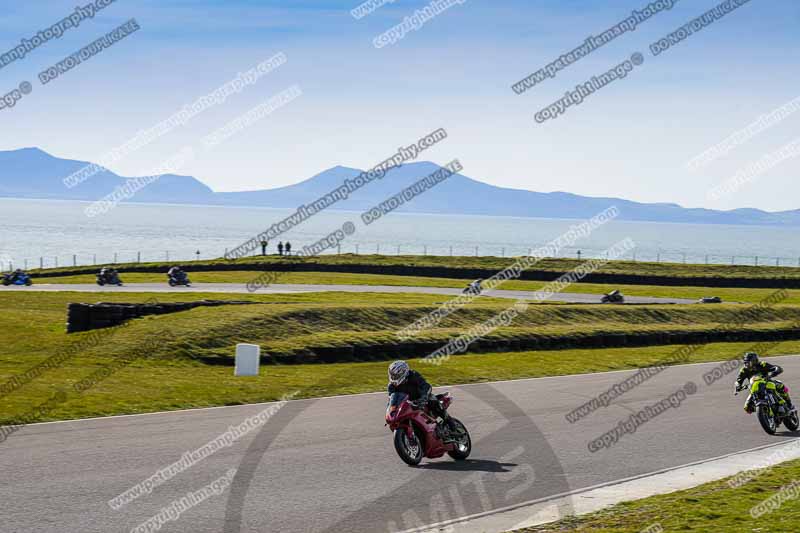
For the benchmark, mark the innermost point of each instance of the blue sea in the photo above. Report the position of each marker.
(51, 232)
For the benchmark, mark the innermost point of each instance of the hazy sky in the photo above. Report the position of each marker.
(631, 139)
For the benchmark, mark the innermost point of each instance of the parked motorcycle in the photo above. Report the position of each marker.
(613, 297)
(767, 406)
(17, 278)
(105, 278)
(417, 435)
(178, 279)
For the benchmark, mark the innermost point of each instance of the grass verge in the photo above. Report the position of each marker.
(712, 507)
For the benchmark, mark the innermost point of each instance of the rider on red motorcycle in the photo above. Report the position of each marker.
(403, 379)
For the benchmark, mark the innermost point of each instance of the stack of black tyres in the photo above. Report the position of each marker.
(85, 317)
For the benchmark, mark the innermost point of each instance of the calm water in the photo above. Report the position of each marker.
(57, 230)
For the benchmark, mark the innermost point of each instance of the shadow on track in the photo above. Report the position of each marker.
(470, 465)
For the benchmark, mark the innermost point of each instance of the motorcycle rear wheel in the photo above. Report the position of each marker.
(410, 452)
(767, 421)
(463, 445)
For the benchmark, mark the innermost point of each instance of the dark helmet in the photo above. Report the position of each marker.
(750, 359)
(398, 372)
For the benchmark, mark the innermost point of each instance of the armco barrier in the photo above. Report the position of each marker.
(85, 317)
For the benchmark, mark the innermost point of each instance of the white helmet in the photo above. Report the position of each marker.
(398, 372)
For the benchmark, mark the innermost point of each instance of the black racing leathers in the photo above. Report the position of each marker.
(415, 386)
(768, 371)
(762, 368)
(418, 389)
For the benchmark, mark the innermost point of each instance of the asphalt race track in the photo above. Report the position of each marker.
(240, 288)
(329, 465)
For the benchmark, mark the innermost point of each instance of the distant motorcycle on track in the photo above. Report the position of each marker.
(17, 278)
(613, 297)
(473, 288)
(105, 277)
(417, 434)
(179, 278)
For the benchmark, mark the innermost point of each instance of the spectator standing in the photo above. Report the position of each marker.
(264, 244)
(280, 248)
(288, 248)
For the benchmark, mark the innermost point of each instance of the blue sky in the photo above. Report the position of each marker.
(632, 139)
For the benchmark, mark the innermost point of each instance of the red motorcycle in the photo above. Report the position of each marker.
(417, 435)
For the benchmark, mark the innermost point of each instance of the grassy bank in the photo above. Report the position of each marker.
(339, 327)
(446, 266)
(149, 385)
(340, 278)
(710, 507)
(174, 373)
(337, 331)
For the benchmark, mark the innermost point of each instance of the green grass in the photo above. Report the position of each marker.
(291, 326)
(712, 507)
(341, 278)
(495, 263)
(154, 385)
(170, 376)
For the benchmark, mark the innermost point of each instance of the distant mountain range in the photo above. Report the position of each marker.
(33, 173)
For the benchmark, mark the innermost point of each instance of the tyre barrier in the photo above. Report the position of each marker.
(384, 351)
(86, 317)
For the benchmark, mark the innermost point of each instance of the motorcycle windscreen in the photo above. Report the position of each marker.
(396, 398)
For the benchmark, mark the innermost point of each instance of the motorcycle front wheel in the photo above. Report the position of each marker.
(792, 422)
(463, 444)
(767, 421)
(409, 449)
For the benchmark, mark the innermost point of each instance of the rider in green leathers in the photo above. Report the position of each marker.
(754, 366)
